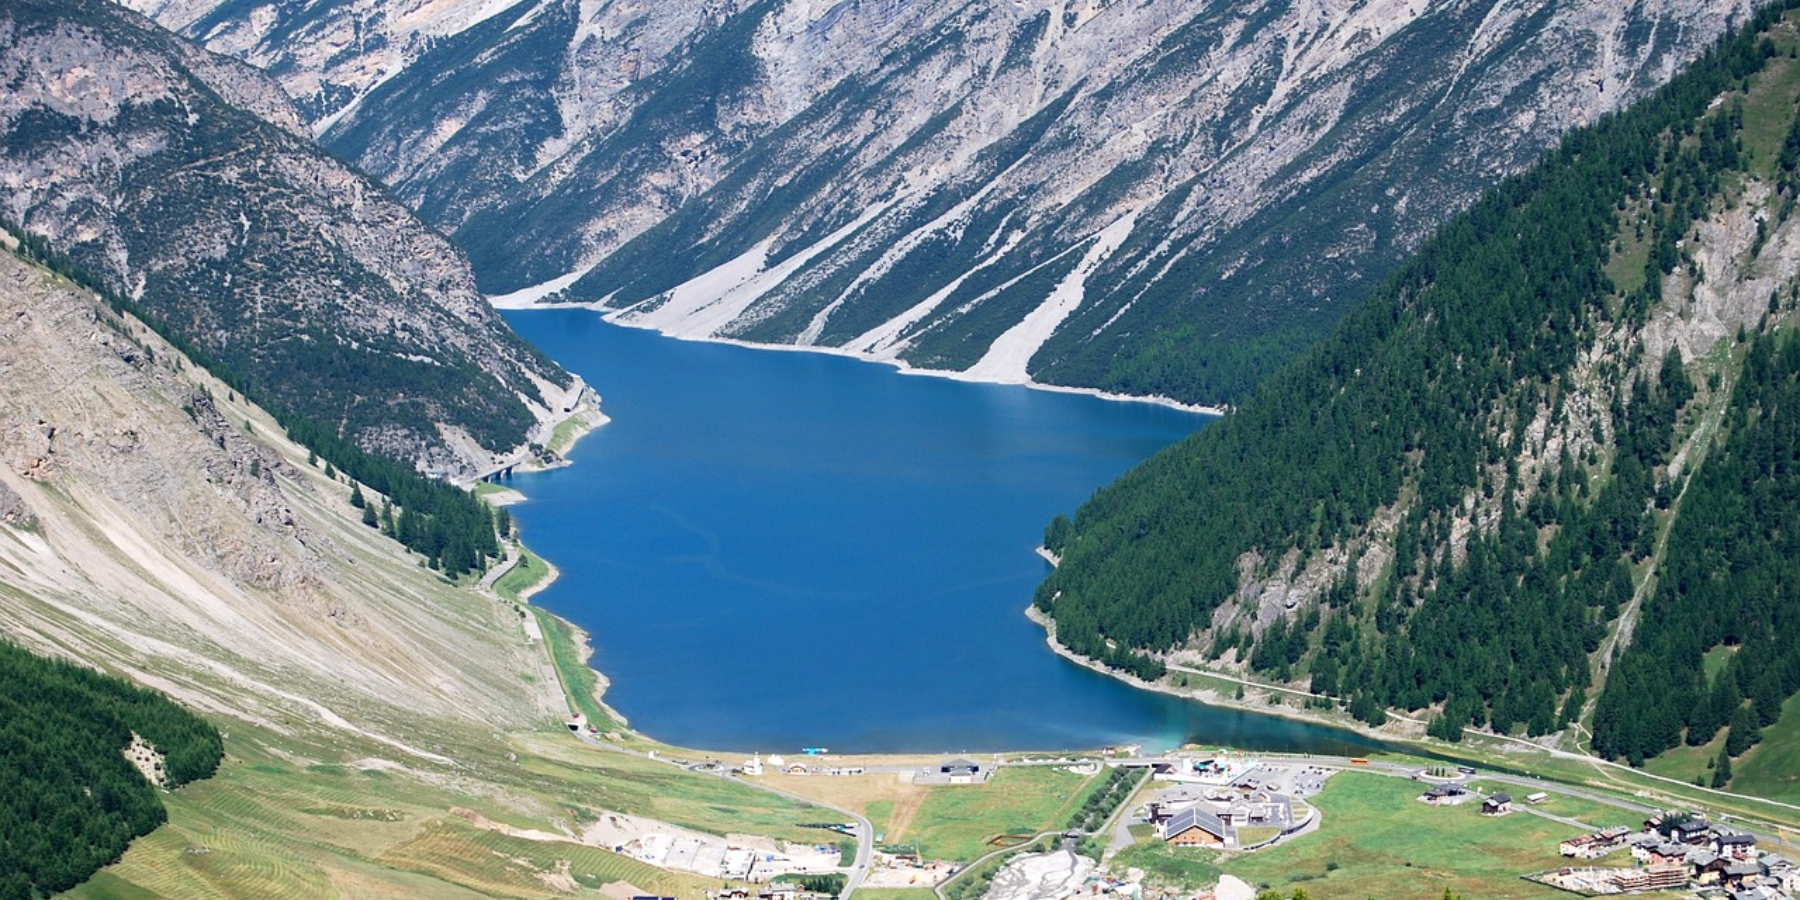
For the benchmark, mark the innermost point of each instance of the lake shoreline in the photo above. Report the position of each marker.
(1037, 457)
(1212, 697)
(613, 316)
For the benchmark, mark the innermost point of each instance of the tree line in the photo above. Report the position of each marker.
(70, 802)
(1730, 583)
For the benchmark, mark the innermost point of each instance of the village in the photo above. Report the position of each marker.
(1224, 801)
(1673, 851)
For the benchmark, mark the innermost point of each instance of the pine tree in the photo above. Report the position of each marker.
(1744, 732)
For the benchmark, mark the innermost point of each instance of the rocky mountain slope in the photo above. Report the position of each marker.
(1537, 484)
(186, 182)
(1147, 198)
(387, 732)
(156, 522)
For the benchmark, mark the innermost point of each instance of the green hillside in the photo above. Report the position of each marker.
(1459, 501)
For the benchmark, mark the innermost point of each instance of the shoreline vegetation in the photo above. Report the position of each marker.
(565, 644)
(1256, 697)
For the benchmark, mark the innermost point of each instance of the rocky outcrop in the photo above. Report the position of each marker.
(1162, 198)
(184, 181)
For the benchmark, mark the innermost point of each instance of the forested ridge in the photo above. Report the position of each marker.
(70, 802)
(1731, 581)
(1450, 503)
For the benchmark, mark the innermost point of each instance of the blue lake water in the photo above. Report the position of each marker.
(783, 550)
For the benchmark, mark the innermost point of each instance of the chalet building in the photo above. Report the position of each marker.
(780, 890)
(1497, 804)
(960, 771)
(1759, 892)
(1446, 795)
(1740, 873)
(1706, 865)
(1595, 845)
(1193, 827)
(1736, 846)
(1667, 853)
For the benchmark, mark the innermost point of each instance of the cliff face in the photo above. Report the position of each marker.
(186, 181)
(1150, 198)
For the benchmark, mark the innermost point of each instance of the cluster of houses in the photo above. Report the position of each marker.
(778, 890)
(1454, 793)
(1679, 851)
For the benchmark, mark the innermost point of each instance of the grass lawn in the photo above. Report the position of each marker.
(895, 894)
(1171, 868)
(596, 779)
(581, 685)
(269, 827)
(887, 800)
(1596, 815)
(1376, 840)
(527, 573)
(957, 822)
(1685, 763)
(1250, 837)
(1772, 768)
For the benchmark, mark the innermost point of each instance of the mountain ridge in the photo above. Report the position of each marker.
(150, 164)
(913, 181)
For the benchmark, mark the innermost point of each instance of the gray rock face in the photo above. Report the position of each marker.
(185, 181)
(153, 520)
(1161, 198)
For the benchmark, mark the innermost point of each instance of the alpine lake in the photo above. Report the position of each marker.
(779, 550)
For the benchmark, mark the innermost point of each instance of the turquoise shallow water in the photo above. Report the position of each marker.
(784, 550)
